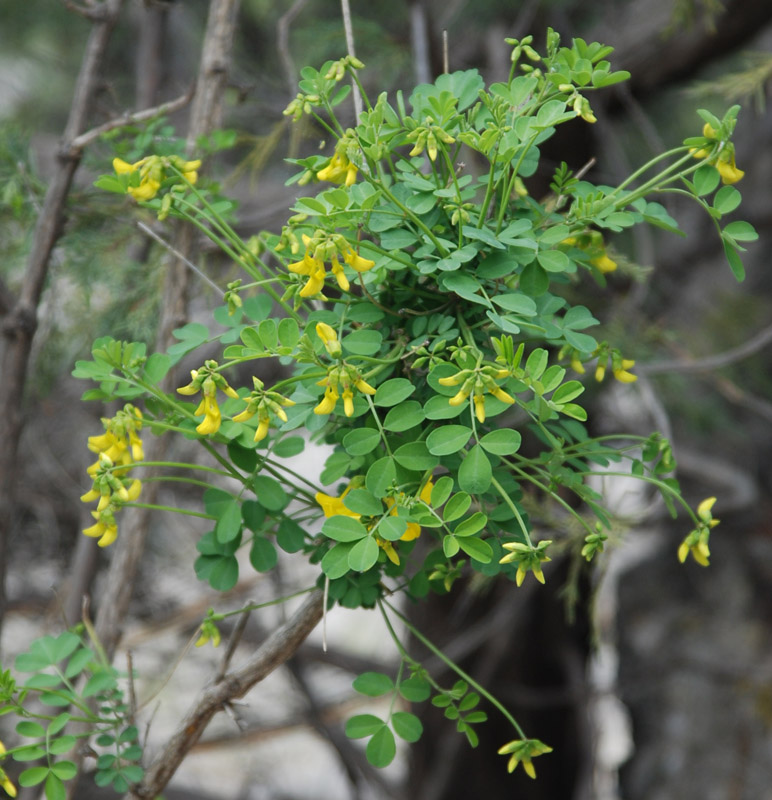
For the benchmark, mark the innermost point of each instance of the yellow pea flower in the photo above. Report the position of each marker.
(334, 506)
(521, 751)
(327, 405)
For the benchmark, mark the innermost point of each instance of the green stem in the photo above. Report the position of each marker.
(453, 666)
(508, 500)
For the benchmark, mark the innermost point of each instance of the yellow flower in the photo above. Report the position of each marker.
(209, 633)
(327, 405)
(528, 558)
(722, 159)
(105, 532)
(334, 506)
(696, 542)
(5, 782)
(329, 339)
(153, 170)
(621, 371)
(357, 262)
(591, 242)
(212, 416)
(521, 751)
(339, 170)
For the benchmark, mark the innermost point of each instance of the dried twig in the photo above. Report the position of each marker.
(274, 652)
(349, 31)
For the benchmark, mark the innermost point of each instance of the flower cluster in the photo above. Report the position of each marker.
(477, 382)
(340, 168)
(620, 366)
(208, 380)
(263, 404)
(342, 377)
(528, 558)
(696, 542)
(592, 244)
(209, 630)
(521, 751)
(323, 247)
(721, 157)
(118, 448)
(152, 171)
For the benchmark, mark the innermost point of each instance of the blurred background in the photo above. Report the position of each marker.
(651, 680)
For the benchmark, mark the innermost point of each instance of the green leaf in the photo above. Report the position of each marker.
(534, 280)
(516, 302)
(363, 554)
(363, 342)
(156, 367)
(407, 726)
(450, 546)
(465, 286)
(289, 446)
(361, 441)
(335, 561)
(448, 439)
(471, 525)
(363, 725)
(381, 476)
(477, 549)
(415, 456)
(262, 554)
(229, 523)
(457, 506)
(290, 536)
(567, 392)
(727, 199)
(31, 753)
(392, 528)
(393, 391)
(54, 788)
(289, 333)
(735, 263)
(373, 684)
(224, 574)
(741, 231)
(404, 416)
(344, 529)
(705, 179)
(62, 745)
(554, 260)
(253, 515)
(502, 442)
(243, 457)
(437, 407)
(415, 689)
(99, 682)
(33, 776)
(382, 748)
(30, 730)
(475, 473)
(270, 493)
(441, 490)
(42, 680)
(360, 501)
(58, 723)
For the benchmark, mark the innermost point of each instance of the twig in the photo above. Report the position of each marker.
(77, 144)
(178, 255)
(725, 359)
(282, 43)
(445, 57)
(233, 643)
(349, 31)
(274, 652)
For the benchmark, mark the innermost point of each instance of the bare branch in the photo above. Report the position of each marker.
(725, 359)
(86, 138)
(274, 652)
(346, 10)
(282, 43)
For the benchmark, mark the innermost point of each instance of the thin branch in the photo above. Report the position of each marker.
(275, 651)
(177, 254)
(725, 359)
(282, 44)
(349, 31)
(79, 142)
